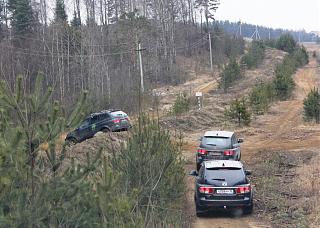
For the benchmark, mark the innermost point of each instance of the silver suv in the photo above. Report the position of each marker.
(218, 145)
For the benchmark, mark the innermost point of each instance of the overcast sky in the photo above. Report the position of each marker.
(289, 14)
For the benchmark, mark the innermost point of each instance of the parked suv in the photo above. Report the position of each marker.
(222, 184)
(108, 120)
(218, 145)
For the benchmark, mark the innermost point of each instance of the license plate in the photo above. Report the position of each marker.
(224, 191)
(215, 153)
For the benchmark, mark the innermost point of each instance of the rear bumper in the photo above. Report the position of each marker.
(206, 204)
(222, 157)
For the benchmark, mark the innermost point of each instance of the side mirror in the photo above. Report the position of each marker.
(248, 172)
(193, 173)
(240, 140)
(200, 139)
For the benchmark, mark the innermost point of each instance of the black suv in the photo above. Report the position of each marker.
(218, 145)
(222, 184)
(107, 120)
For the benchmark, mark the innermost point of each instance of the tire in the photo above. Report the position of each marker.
(71, 141)
(248, 210)
(199, 213)
(198, 166)
(239, 158)
(105, 130)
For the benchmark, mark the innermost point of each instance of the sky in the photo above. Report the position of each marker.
(286, 14)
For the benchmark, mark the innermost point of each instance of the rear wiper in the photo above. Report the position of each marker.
(219, 179)
(210, 144)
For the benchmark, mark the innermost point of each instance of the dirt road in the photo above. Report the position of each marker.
(282, 128)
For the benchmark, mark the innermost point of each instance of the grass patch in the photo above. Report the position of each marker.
(278, 192)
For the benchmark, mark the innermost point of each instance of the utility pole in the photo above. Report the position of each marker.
(141, 68)
(210, 46)
(256, 34)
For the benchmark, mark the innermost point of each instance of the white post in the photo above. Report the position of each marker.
(210, 46)
(141, 69)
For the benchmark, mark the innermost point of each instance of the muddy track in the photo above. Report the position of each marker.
(282, 128)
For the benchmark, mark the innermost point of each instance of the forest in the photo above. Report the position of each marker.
(96, 48)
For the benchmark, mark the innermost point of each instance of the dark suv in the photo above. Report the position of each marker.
(222, 184)
(102, 121)
(218, 145)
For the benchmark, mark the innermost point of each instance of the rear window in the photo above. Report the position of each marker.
(119, 114)
(216, 141)
(225, 173)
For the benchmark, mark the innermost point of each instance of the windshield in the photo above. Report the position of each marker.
(216, 141)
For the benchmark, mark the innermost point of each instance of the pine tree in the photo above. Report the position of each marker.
(231, 73)
(312, 105)
(22, 16)
(238, 111)
(60, 12)
(286, 43)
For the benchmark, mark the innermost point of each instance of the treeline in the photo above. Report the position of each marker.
(138, 182)
(247, 30)
(96, 48)
(280, 88)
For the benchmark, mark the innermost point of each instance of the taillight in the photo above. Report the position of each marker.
(116, 121)
(206, 190)
(202, 151)
(243, 189)
(229, 152)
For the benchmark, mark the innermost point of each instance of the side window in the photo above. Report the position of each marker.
(106, 116)
(94, 119)
(84, 124)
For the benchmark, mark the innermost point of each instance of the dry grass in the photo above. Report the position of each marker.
(309, 182)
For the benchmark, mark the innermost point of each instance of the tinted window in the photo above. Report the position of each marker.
(216, 141)
(84, 124)
(95, 118)
(225, 173)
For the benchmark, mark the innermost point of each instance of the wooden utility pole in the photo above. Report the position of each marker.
(210, 46)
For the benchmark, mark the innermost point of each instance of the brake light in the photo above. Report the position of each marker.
(228, 152)
(206, 190)
(243, 189)
(202, 151)
(116, 121)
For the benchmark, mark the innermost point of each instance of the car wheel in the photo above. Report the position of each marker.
(239, 158)
(199, 213)
(71, 141)
(105, 130)
(198, 166)
(248, 210)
